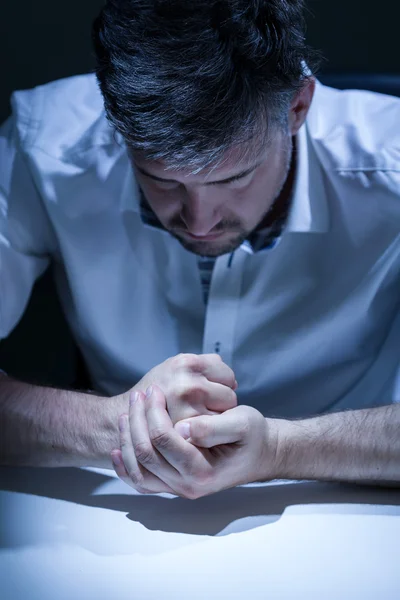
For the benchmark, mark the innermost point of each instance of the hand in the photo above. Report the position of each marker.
(193, 385)
(221, 451)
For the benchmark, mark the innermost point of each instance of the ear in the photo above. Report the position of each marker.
(300, 105)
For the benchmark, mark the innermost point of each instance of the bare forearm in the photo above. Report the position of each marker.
(49, 427)
(361, 446)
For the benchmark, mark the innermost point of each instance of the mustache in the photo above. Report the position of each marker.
(178, 224)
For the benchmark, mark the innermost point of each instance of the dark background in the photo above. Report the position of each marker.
(44, 40)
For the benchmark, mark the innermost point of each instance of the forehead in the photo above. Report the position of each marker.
(235, 160)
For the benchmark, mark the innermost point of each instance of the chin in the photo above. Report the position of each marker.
(211, 249)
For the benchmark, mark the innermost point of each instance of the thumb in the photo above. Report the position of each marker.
(208, 431)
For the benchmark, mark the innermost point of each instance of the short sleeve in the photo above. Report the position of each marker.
(26, 235)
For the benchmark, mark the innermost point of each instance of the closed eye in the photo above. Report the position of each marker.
(171, 184)
(233, 180)
(241, 181)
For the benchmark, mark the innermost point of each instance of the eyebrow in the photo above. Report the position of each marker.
(233, 178)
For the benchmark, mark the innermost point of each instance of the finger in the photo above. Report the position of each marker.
(131, 471)
(141, 480)
(214, 369)
(219, 397)
(176, 451)
(139, 477)
(205, 431)
(140, 444)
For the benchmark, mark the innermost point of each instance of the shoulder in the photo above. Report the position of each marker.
(353, 129)
(62, 118)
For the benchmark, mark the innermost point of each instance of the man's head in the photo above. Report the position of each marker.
(204, 92)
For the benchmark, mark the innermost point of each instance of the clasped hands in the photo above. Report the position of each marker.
(185, 434)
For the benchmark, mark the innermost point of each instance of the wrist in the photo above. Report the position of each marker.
(287, 439)
(97, 434)
(107, 437)
(305, 449)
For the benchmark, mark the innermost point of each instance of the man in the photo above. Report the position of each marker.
(231, 233)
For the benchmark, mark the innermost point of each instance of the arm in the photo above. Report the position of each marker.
(56, 428)
(241, 446)
(39, 426)
(361, 446)
(51, 428)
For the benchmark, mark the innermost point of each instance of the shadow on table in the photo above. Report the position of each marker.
(206, 516)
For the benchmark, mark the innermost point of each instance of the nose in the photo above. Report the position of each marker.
(198, 213)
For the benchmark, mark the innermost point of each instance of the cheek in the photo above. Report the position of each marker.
(244, 206)
(163, 203)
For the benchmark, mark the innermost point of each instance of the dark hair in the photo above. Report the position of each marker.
(186, 80)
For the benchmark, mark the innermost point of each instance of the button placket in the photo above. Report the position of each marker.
(223, 305)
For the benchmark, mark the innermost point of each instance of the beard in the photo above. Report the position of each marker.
(233, 233)
(232, 239)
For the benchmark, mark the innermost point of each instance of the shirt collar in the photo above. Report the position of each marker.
(309, 209)
(308, 212)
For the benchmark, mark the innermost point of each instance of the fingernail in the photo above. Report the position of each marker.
(149, 391)
(116, 460)
(236, 385)
(183, 429)
(133, 398)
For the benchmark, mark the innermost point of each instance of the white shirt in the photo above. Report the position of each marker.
(310, 326)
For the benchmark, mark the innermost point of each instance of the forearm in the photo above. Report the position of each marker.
(56, 428)
(361, 446)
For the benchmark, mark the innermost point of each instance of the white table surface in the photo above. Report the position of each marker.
(83, 534)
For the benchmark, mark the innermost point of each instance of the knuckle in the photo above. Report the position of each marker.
(124, 443)
(143, 490)
(137, 479)
(212, 359)
(190, 362)
(185, 363)
(204, 476)
(197, 482)
(144, 453)
(247, 416)
(160, 438)
(244, 427)
(182, 358)
(188, 466)
(192, 391)
(174, 362)
(248, 413)
(189, 491)
(201, 429)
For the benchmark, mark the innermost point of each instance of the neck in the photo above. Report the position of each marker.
(281, 202)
